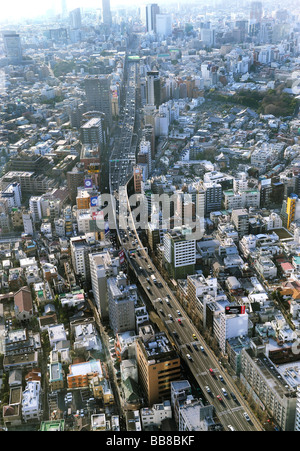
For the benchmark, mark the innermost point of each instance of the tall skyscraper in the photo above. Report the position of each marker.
(153, 88)
(75, 18)
(150, 17)
(106, 13)
(164, 24)
(122, 298)
(256, 13)
(64, 9)
(103, 266)
(12, 46)
(94, 131)
(98, 95)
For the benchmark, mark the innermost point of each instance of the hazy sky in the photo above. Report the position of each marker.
(26, 8)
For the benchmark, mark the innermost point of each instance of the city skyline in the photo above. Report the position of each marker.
(34, 8)
(150, 218)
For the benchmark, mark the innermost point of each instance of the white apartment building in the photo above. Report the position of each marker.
(102, 267)
(83, 221)
(13, 195)
(79, 254)
(266, 267)
(32, 402)
(247, 245)
(155, 415)
(273, 221)
(27, 223)
(56, 333)
(241, 199)
(60, 227)
(35, 207)
(194, 416)
(240, 219)
(179, 253)
(144, 155)
(164, 25)
(229, 326)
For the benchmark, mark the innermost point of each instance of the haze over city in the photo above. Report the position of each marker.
(150, 218)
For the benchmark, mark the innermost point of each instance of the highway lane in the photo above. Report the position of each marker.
(229, 411)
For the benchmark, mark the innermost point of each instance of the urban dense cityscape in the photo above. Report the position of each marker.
(150, 217)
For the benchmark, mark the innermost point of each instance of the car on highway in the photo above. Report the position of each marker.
(195, 347)
(208, 389)
(167, 302)
(231, 428)
(160, 300)
(162, 312)
(234, 398)
(246, 416)
(219, 398)
(178, 312)
(189, 357)
(170, 317)
(202, 349)
(224, 392)
(221, 378)
(211, 371)
(180, 322)
(194, 337)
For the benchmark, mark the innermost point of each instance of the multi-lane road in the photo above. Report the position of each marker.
(221, 392)
(208, 372)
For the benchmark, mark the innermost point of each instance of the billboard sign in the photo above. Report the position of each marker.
(235, 310)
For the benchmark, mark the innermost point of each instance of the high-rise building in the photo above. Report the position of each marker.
(164, 25)
(106, 13)
(138, 178)
(213, 197)
(102, 266)
(153, 86)
(271, 385)
(158, 366)
(121, 303)
(256, 13)
(179, 255)
(12, 46)
(75, 178)
(64, 8)
(80, 250)
(240, 219)
(290, 210)
(150, 17)
(75, 18)
(149, 135)
(28, 224)
(98, 95)
(35, 207)
(94, 131)
(230, 326)
(144, 155)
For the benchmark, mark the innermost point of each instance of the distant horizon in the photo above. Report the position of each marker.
(18, 9)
